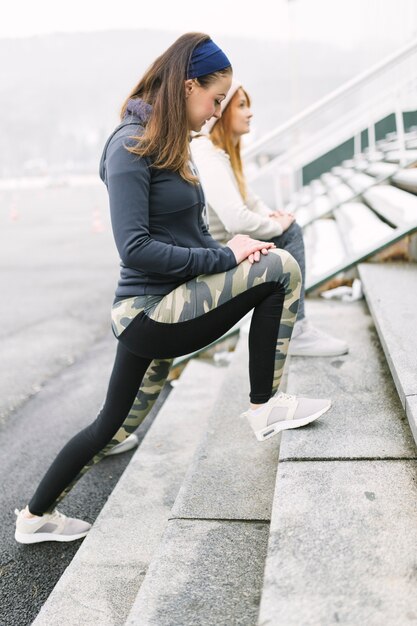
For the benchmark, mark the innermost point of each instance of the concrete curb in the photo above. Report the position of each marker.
(396, 329)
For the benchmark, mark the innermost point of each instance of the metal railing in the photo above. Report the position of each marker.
(388, 87)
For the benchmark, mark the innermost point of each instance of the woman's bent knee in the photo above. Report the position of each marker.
(287, 263)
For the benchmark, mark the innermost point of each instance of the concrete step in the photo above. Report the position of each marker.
(103, 579)
(209, 566)
(391, 294)
(343, 533)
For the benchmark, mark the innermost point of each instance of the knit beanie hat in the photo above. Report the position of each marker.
(208, 126)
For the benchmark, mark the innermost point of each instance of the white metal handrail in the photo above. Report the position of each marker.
(351, 85)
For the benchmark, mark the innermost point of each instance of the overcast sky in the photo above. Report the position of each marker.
(337, 21)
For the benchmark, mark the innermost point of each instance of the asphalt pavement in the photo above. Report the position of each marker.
(58, 272)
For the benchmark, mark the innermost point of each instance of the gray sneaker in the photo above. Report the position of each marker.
(284, 411)
(127, 444)
(307, 340)
(53, 526)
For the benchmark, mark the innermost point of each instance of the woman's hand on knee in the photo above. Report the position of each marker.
(243, 247)
(285, 219)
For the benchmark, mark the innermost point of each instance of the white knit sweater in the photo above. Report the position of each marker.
(228, 213)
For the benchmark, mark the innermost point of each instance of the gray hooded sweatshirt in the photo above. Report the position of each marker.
(157, 217)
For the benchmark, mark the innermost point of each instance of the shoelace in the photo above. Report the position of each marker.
(285, 396)
(57, 515)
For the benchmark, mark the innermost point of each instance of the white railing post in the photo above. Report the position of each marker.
(299, 178)
(399, 124)
(371, 139)
(357, 144)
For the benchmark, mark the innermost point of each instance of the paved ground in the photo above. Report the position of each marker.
(58, 270)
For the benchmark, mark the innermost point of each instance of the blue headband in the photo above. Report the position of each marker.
(206, 59)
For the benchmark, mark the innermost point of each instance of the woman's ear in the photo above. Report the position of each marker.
(189, 86)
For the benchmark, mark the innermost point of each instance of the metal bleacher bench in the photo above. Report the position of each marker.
(367, 205)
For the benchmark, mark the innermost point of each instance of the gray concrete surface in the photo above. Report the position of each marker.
(411, 410)
(102, 581)
(208, 568)
(58, 272)
(34, 434)
(58, 269)
(232, 475)
(342, 548)
(391, 294)
(191, 582)
(366, 418)
(343, 532)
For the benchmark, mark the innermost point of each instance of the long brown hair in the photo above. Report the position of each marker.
(221, 136)
(166, 135)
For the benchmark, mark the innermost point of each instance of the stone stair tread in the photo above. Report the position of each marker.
(366, 419)
(208, 568)
(232, 475)
(411, 411)
(102, 581)
(191, 582)
(342, 534)
(391, 294)
(342, 544)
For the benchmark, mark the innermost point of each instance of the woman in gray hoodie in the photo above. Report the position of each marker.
(179, 289)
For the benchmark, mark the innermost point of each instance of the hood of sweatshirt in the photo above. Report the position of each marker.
(139, 108)
(137, 115)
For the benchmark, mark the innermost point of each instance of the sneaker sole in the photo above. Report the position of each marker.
(133, 443)
(274, 429)
(316, 354)
(39, 537)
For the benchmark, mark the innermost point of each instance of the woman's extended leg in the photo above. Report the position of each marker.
(150, 388)
(204, 298)
(78, 454)
(149, 391)
(188, 318)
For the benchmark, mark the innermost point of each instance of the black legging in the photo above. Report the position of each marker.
(146, 339)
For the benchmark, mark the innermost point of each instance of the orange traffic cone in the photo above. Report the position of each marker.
(14, 214)
(97, 225)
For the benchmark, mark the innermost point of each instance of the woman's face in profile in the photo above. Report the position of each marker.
(241, 113)
(204, 102)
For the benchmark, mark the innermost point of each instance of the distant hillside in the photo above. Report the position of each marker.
(60, 93)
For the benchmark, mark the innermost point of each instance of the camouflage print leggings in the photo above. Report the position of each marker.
(188, 318)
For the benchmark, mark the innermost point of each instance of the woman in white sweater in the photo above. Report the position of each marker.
(234, 208)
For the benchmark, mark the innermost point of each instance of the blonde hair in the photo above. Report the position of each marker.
(221, 136)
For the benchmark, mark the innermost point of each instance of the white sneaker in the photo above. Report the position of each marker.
(127, 444)
(307, 340)
(282, 412)
(53, 526)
